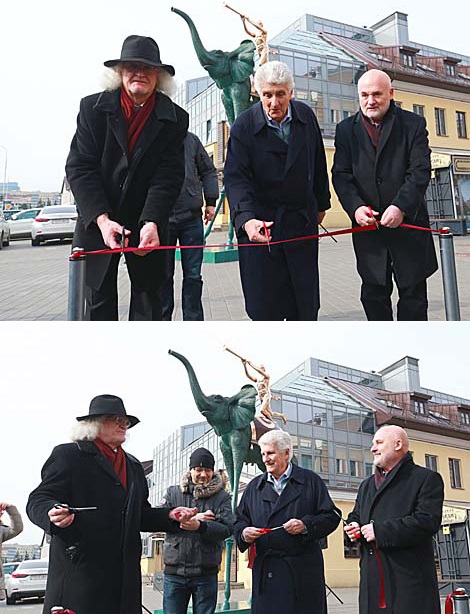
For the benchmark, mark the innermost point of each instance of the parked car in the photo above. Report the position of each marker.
(4, 231)
(27, 580)
(20, 223)
(54, 222)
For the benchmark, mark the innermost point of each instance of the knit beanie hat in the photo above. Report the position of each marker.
(202, 458)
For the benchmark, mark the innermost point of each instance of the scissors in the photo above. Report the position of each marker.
(74, 510)
(123, 237)
(268, 530)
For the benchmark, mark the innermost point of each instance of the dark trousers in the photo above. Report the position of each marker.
(190, 232)
(177, 591)
(412, 301)
(102, 304)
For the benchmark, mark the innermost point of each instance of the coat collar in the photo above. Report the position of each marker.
(293, 490)
(110, 102)
(405, 463)
(89, 448)
(388, 122)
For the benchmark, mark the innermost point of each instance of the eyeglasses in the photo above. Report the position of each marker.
(120, 420)
(138, 67)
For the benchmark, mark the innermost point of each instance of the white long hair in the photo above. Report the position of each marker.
(112, 79)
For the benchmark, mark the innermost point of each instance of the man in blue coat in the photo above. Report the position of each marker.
(277, 187)
(287, 561)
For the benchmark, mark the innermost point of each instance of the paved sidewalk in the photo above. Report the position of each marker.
(34, 283)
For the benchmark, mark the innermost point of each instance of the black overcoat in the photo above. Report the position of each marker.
(397, 173)
(288, 576)
(269, 180)
(406, 511)
(94, 565)
(105, 179)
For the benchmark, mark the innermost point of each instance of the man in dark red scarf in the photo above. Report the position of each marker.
(126, 169)
(398, 510)
(93, 502)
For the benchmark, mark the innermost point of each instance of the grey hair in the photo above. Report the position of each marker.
(87, 429)
(112, 79)
(280, 439)
(276, 73)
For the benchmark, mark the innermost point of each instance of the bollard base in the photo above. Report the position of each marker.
(240, 607)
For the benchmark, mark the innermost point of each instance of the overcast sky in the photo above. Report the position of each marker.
(51, 55)
(51, 371)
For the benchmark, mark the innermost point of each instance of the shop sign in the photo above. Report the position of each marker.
(440, 160)
(453, 515)
(462, 165)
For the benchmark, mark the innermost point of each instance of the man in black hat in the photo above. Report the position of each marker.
(126, 169)
(193, 552)
(92, 501)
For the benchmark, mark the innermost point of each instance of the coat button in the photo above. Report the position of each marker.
(371, 551)
(270, 575)
(379, 180)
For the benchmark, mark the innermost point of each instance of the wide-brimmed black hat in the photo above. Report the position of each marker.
(141, 49)
(108, 405)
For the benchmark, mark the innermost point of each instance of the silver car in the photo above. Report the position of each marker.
(4, 231)
(54, 222)
(21, 222)
(27, 580)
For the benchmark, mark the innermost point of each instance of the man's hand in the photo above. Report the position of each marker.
(363, 216)
(148, 237)
(3, 507)
(209, 213)
(207, 515)
(321, 216)
(250, 534)
(353, 531)
(182, 514)
(255, 230)
(192, 524)
(61, 517)
(392, 217)
(368, 532)
(111, 231)
(294, 526)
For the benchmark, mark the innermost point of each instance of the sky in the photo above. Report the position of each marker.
(51, 55)
(51, 371)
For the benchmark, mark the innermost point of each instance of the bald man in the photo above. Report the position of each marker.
(380, 173)
(397, 511)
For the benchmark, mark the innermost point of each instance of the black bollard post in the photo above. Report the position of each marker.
(449, 275)
(76, 306)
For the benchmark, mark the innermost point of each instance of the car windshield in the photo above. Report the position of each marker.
(33, 564)
(50, 210)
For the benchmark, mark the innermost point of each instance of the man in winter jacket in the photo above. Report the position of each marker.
(186, 228)
(192, 553)
(125, 169)
(8, 532)
(397, 512)
(93, 501)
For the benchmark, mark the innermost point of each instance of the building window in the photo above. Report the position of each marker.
(440, 115)
(455, 473)
(430, 462)
(418, 109)
(450, 69)
(208, 130)
(301, 95)
(465, 417)
(408, 59)
(419, 407)
(335, 116)
(461, 124)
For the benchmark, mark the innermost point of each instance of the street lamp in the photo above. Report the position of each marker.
(5, 175)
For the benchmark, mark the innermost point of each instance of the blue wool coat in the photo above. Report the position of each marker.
(269, 180)
(288, 576)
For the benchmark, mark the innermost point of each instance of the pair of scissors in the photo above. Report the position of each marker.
(74, 510)
(377, 225)
(265, 231)
(268, 530)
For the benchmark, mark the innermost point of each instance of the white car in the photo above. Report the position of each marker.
(21, 222)
(54, 222)
(27, 580)
(4, 231)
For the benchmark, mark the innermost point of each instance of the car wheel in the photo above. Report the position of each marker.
(11, 600)
(35, 242)
(7, 241)
(1, 241)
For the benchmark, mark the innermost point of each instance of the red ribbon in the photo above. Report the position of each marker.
(344, 231)
(251, 555)
(382, 602)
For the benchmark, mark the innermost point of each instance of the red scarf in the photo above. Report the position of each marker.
(116, 458)
(373, 130)
(135, 117)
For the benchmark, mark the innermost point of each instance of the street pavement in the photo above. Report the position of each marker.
(34, 283)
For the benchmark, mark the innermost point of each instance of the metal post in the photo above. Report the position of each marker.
(228, 565)
(77, 268)
(460, 599)
(217, 209)
(449, 275)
